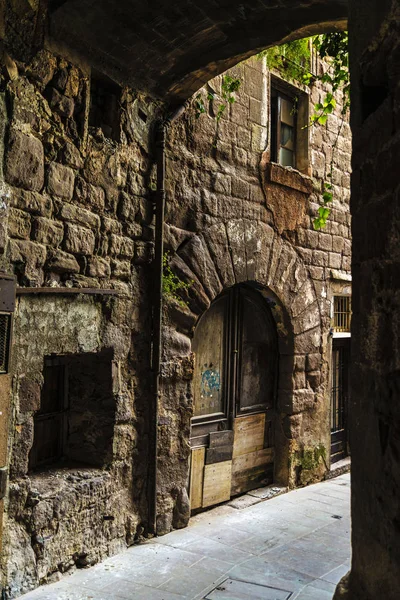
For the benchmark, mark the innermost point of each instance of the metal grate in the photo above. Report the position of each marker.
(338, 390)
(5, 330)
(342, 313)
(234, 589)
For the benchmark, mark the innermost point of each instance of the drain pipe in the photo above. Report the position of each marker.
(160, 143)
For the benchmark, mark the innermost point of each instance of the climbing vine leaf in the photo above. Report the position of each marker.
(229, 86)
(171, 283)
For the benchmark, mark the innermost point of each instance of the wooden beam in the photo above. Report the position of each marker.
(219, 454)
(221, 438)
(22, 291)
(197, 478)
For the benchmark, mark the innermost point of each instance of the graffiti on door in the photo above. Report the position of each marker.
(210, 382)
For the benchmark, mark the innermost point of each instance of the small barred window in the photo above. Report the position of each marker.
(342, 313)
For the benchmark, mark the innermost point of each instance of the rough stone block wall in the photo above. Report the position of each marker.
(78, 215)
(234, 217)
(74, 515)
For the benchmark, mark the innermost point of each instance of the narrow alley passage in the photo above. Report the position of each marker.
(295, 546)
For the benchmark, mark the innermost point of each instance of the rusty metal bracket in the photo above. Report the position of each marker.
(7, 293)
(3, 482)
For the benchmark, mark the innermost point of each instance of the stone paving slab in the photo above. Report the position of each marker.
(297, 543)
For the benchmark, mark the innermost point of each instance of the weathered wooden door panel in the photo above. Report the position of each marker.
(248, 434)
(219, 454)
(209, 348)
(234, 388)
(257, 359)
(252, 470)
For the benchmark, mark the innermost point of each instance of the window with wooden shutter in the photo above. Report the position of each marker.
(283, 129)
(289, 116)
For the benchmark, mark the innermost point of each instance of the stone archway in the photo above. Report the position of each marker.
(226, 254)
(171, 49)
(374, 35)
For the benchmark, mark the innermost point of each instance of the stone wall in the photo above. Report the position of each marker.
(73, 515)
(375, 429)
(80, 217)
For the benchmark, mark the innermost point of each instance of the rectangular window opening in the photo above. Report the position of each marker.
(105, 110)
(283, 129)
(75, 422)
(289, 118)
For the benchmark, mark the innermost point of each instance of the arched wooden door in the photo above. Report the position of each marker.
(236, 356)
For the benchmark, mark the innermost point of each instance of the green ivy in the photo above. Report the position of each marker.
(171, 284)
(229, 86)
(323, 110)
(324, 211)
(292, 60)
(334, 48)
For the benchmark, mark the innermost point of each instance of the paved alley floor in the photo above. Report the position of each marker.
(292, 547)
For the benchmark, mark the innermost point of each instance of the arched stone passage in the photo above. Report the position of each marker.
(237, 252)
(193, 42)
(374, 28)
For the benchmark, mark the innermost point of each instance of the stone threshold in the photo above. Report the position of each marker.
(271, 491)
(339, 468)
(256, 496)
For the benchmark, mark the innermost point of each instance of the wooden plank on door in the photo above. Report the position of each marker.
(217, 483)
(197, 478)
(252, 470)
(249, 434)
(252, 459)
